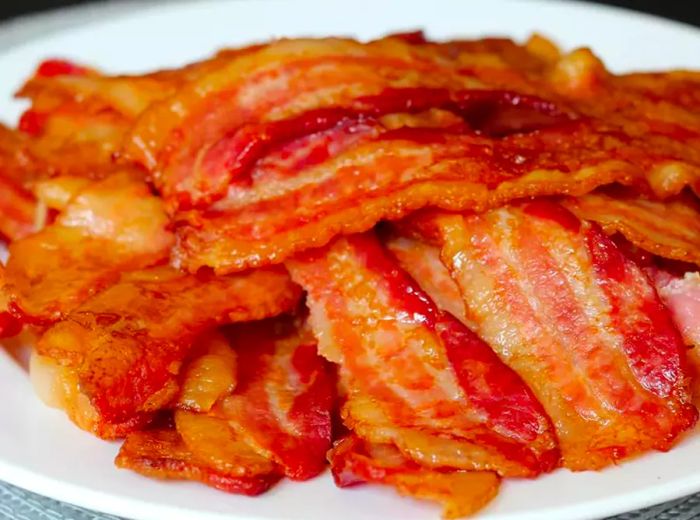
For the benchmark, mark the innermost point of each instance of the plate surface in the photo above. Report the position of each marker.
(42, 451)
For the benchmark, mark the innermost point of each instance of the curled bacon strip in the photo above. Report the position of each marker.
(284, 396)
(110, 226)
(127, 343)
(577, 320)
(461, 492)
(670, 229)
(416, 377)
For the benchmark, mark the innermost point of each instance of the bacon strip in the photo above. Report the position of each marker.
(127, 343)
(111, 226)
(383, 179)
(414, 376)
(577, 320)
(462, 493)
(284, 396)
(670, 229)
(163, 454)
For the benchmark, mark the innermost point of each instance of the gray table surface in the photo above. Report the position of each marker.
(18, 504)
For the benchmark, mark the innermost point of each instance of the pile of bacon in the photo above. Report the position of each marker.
(431, 265)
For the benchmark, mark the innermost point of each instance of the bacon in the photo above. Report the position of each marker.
(205, 145)
(128, 342)
(414, 376)
(17, 205)
(681, 294)
(422, 262)
(17, 210)
(495, 113)
(111, 226)
(386, 179)
(577, 320)
(78, 117)
(210, 376)
(162, 453)
(278, 418)
(10, 325)
(284, 396)
(670, 229)
(270, 81)
(59, 387)
(214, 441)
(461, 493)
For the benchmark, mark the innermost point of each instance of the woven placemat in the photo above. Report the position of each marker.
(18, 504)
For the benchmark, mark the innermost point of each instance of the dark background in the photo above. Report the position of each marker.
(687, 11)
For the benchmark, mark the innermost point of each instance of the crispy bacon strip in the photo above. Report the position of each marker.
(163, 454)
(284, 396)
(461, 493)
(111, 226)
(577, 320)
(128, 342)
(670, 229)
(416, 377)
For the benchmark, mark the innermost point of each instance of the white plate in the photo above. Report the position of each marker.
(41, 451)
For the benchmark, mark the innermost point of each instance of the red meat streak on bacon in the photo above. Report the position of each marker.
(58, 67)
(32, 122)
